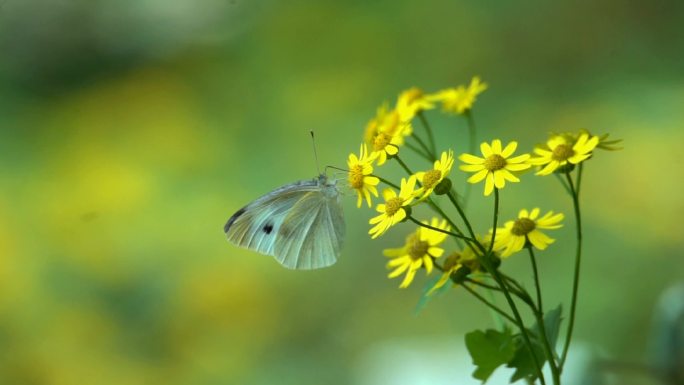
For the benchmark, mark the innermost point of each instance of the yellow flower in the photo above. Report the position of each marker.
(515, 234)
(459, 100)
(420, 249)
(359, 177)
(411, 102)
(385, 133)
(430, 179)
(392, 211)
(603, 142)
(561, 150)
(496, 166)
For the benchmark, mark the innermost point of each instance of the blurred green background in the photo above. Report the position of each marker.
(131, 130)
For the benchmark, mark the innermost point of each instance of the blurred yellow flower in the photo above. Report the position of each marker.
(392, 211)
(431, 178)
(561, 150)
(496, 166)
(459, 100)
(515, 234)
(411, 102)
(385, 133)
(359, 176)
(420, 249)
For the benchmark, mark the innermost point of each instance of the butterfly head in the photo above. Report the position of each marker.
(328, 187)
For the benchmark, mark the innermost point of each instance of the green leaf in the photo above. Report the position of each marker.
(523, 360)
(425, 298)
(552, 322)
(489, 349)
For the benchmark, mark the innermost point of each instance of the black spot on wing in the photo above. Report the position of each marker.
(233, 219)
(268, 228)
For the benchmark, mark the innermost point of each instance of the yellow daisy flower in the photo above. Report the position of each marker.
(496, 167)
(561, 150)
(515, 234)
(385, 133)
(419, 251)
(411, 102)
(430, 179)
(459, 100)
(392, 211)
(359, 176)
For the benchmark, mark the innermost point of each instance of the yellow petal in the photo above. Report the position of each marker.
(489, 184)
(486, 149)
(478, 176)
(499, 180)
(471, 159)
(496, 146)
(510, 149)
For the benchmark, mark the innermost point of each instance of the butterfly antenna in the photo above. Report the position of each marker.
(313, 142)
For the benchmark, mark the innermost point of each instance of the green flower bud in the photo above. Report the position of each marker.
(443, 187)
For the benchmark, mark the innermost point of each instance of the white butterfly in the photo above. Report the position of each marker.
(300, 224)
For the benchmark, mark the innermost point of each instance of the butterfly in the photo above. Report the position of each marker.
(300, 224)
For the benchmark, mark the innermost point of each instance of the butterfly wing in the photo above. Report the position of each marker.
(257, 225)
(312, 233)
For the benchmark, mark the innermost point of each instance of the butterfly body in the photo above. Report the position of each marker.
(300, 224)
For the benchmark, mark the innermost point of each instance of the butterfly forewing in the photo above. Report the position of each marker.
(256, 225)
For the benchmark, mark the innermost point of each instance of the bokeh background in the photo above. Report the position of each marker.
(131, 130)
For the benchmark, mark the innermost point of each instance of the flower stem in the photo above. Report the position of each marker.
(419, 223)
(431, 138)
(491, 270)
(403, 165)
(424, 146)
(417, 151)
(533, 260)
(491, 305)
(578, 258)
(385, 181)
(539, 315)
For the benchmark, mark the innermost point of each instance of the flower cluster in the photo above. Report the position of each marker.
(449, 243)
(392, 129)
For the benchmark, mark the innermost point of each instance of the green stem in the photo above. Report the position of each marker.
(431, 138)
(417, 151)
(403, 165)
(424, 146)
(539, 315)
(533, 260)
(562, 182)
(504, 287)
(419, 223)
(555, 372)
(385, 181)
(491, 305)
(578, 258)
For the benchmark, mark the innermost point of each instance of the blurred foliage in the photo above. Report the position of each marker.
(131, 130)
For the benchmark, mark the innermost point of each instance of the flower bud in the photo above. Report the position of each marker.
(443, 187)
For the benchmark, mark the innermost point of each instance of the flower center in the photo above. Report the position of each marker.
(431, 178)
(495, 162)
(418, 249)
(523, 226)
(381, 141)
(356, 176)
(393, 205)
(562, 152)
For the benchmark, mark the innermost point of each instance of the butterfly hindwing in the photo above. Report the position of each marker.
(256, 225)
